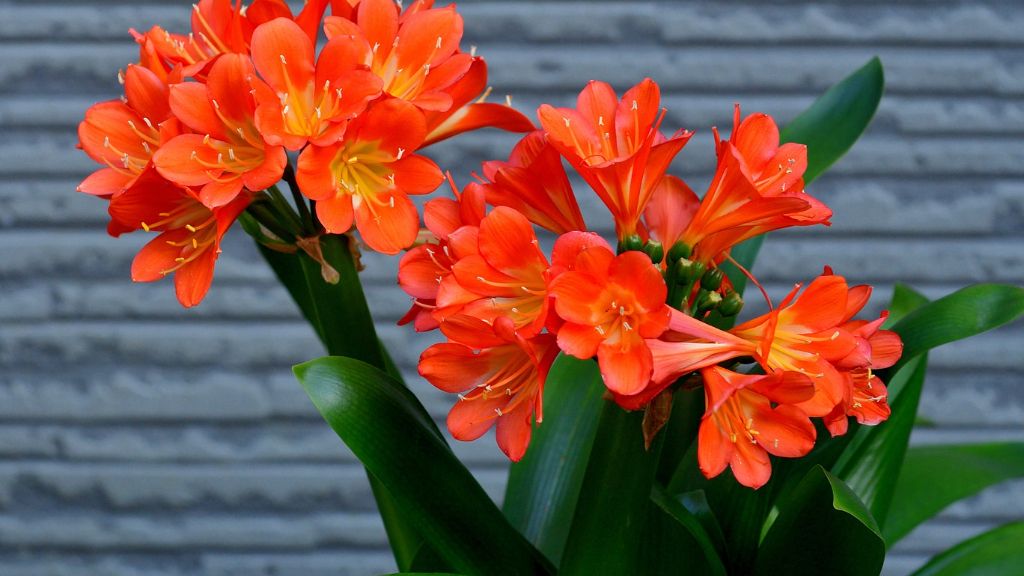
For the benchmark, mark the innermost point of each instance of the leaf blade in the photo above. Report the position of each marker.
(997, 552)
(965, 470)
(821, 528)
(436, 493)
(540, 498)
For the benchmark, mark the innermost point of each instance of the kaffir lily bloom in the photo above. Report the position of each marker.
(499, 376)
(227, 152)
(471, 111)
(415, 54)
(610, 304)
(757, 188)
(123, 135)
(423, 268)
(740, 427)
(805, 334)
(300, 101)
(504, 277)
(190, 233)
(369, 175)
(616, 146)
(533, 182)
(218, 27)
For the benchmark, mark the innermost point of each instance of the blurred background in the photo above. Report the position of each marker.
(138, 438)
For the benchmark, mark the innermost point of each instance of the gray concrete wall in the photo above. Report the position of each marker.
(140, 438)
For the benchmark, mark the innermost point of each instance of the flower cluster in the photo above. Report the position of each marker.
(208, 121)
(645, 310)
(211, 121)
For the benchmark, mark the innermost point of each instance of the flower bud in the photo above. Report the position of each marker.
(654, 249)
(678, 251)
(631, 242)
(689, 271)
(731, 304)
(712, 279)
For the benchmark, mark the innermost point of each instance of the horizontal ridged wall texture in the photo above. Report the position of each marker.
(139, 438)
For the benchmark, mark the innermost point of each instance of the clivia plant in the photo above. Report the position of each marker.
(653, 428)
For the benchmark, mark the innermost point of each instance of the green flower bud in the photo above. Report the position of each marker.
(679, 251)
(655, 250)
(631, 242)
(731, 304)
(712, 279)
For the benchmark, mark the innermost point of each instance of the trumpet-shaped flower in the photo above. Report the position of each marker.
(504, 276)
(123, 135)
(616, 146)
(610, 304)
(415, 54)
(190, 233)
(757, 187)
(499, 376)
(533, 182)
(740, 427)
(806, 334)
(470, 111)
(227, 152)
(301, 101)
(369, 175)
(423, 268)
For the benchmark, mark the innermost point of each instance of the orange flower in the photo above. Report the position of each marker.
(533, 182)
(416, 54)
(371, 172)
(190, 233)
(301, 102)
(616, 146)
(610, 304)
(469, 111)
(124, 134)
(740, 427)
(499, 376)
(218, 27)
(865, 395)
(227, 153)
(757, 188)
(423, 268)
(808, 334)
(503, 277)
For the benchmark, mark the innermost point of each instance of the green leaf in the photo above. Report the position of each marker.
(612, 510)
(435, 492)
(998, 552)
(962, 314)
(904, 301)
(872, 461)
(829, 128)
(540, 498)
(964, 470)
(837, 119)
(693, 526)
(821, 528)
(871, 464)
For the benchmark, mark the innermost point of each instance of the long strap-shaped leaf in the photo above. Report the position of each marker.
(540, 498)
(934, 477)
(821, 528)
(998, 552)
(341, 319)
(614, 498)
(437, 494)
(872, 464)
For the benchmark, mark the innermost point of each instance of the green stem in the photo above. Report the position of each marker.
(285, 209)
(265, 216)
(300, 200)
